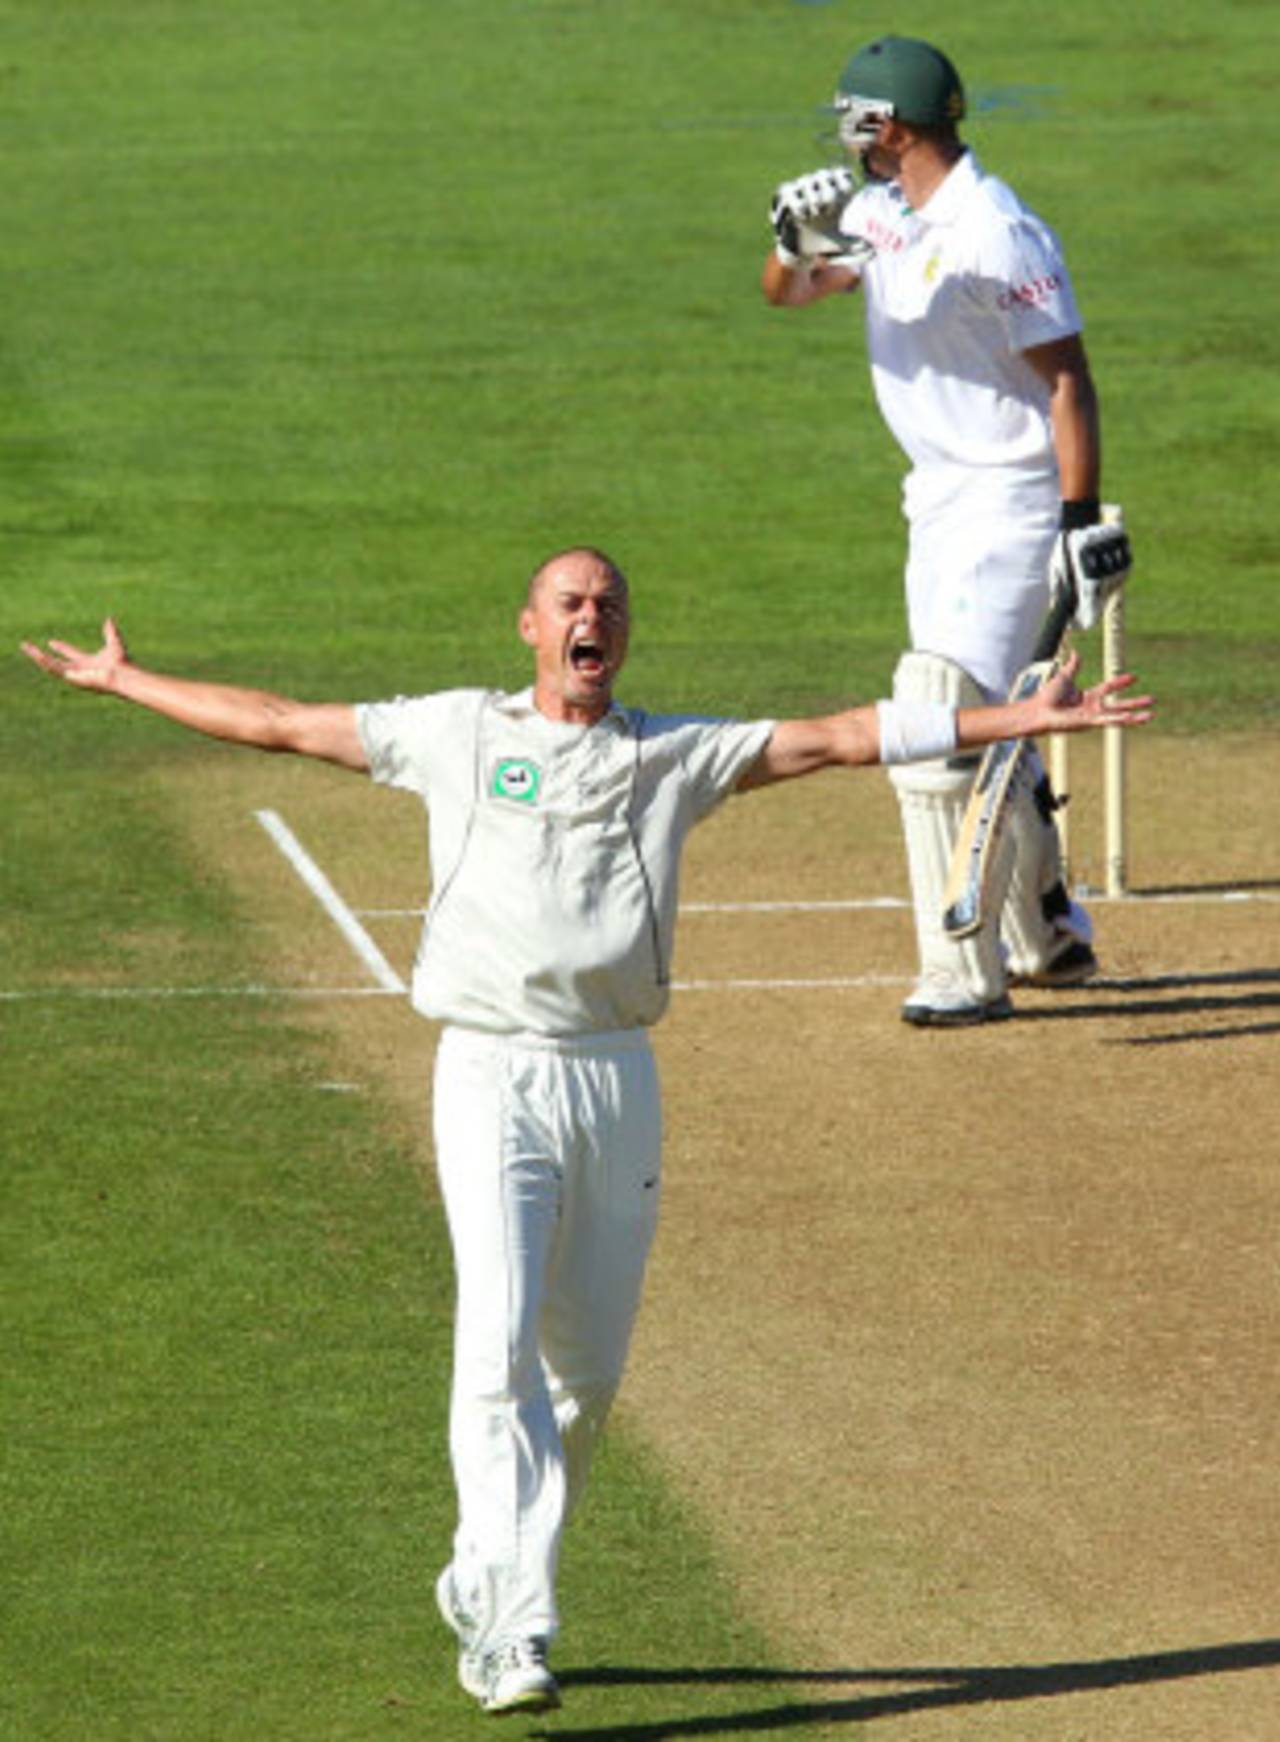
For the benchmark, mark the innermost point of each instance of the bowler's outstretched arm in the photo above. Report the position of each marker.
(325, 730)
(852, 739)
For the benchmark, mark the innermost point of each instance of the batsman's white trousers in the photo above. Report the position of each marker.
(978, 584)
(549, 1154)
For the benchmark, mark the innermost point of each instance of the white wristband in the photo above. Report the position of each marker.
(916, 731)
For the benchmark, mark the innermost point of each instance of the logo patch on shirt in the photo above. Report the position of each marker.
(517, 779)
(933, 266)
(1035, 294)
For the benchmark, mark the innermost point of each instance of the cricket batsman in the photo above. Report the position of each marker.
(980, 371)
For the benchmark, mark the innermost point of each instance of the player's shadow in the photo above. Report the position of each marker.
(899, 1693)
(1177, 995)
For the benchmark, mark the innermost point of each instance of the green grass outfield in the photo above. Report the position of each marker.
(322, 323)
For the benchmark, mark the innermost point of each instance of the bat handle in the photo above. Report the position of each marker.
(1057, 621)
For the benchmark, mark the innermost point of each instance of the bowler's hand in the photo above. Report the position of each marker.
(1060, 706)
(88, 671)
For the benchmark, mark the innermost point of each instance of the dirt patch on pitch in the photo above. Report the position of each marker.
(964, 1344)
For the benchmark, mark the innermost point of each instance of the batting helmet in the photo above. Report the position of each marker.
(897, 77)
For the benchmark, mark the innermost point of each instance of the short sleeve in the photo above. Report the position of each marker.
(411, 739)
(714, 754)
(1026, 277)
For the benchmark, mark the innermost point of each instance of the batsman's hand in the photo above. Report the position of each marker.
(805, 215)
(88, 671)
(1088, 564)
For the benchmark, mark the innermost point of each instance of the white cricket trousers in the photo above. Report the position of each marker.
(978, 585)
(549, 1155)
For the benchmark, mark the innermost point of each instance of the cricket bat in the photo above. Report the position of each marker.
(964, 900)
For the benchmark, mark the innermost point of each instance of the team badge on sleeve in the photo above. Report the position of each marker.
(517, 779)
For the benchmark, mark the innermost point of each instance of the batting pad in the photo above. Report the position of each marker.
(1030, 937)
(932, 797)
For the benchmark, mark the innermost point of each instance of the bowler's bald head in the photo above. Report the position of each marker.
(578, 563)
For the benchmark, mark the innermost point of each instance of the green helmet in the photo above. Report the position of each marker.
(896, 77)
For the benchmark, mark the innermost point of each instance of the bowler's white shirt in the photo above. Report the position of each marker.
(956, 292)
(554, 849)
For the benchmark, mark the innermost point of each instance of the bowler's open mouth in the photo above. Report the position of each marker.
(587, 656)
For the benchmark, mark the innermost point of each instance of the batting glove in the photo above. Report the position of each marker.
(805, 215)
(1089, 561)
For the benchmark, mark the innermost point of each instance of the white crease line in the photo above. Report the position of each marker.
(137, 993)
(837, 983)
(331, 901)
(1153, 981)
(871, 902)
(1184, 898)
(894, 903)
(874, 902)
(31, 994)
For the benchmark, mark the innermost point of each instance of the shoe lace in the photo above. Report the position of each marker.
(519, 1654)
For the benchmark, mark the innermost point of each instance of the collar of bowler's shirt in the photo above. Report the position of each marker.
(944, 205)
(521, 704)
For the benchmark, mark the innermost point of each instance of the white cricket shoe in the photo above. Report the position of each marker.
(1070, 959)
(508, 1678)
(1074, 963)
(516, 1679)
(941, 1000)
